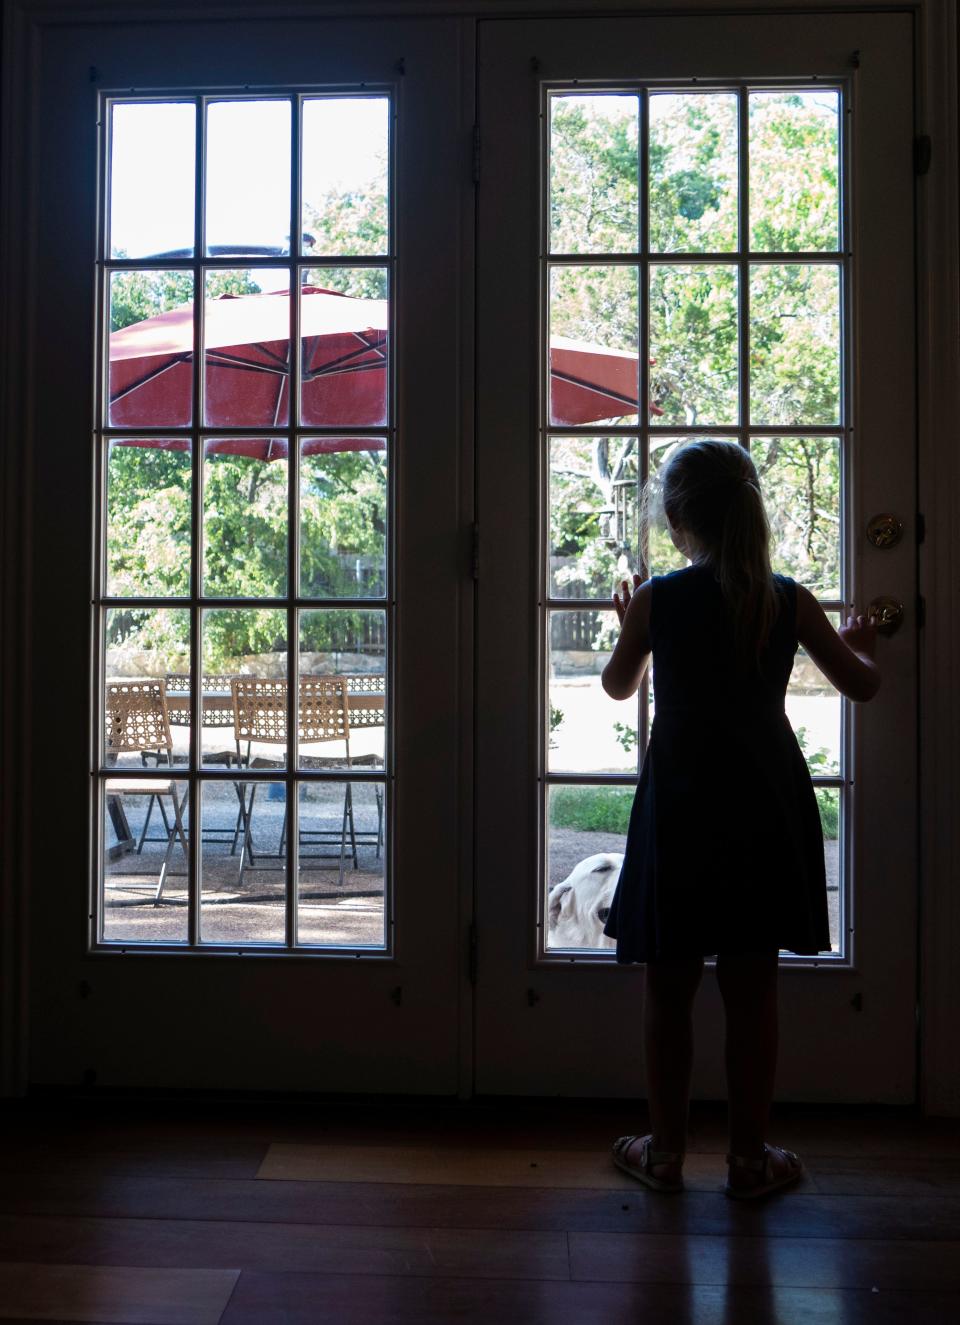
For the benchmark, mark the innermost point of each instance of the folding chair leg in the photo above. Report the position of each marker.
(343, 829)
(175, 832)
(353, 831)
(240, 825)
(246, 851)
(146, 822)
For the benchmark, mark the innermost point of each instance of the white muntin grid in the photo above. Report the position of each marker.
(643, 261)
(195, 434)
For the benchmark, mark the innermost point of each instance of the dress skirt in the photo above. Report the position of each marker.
(724, 850)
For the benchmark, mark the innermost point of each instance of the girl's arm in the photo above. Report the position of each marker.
(624, 672)
(846, 656)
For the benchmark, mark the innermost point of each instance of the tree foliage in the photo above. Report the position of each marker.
(694, 376)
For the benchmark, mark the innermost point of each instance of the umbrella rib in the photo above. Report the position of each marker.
(348, 357)
(150, 377)
(592, 386)
(340, 370)
(245, 365)
(282, 360)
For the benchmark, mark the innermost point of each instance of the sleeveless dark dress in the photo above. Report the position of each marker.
(725, 849)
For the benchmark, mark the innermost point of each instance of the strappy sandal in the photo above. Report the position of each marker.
(768, 1183)
(643, 1173)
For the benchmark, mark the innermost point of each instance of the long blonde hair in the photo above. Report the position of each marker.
(710, 489)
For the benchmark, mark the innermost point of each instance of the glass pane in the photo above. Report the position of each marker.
(694, 356)
(344, 181)
(594, 339)
(343, 517)
(586, 836)
(152, 179)
(589, 732)
(148, 517)
(593, 173)
(594, 537)
(801, 487)
(794, 171)
(343, 666)
(146, 840)
(815, 709)
(244, 650)
(795, 344)
(693, 172)
(243, 863)
(143, 647)
(246, 337)
(150, 374)
(342, 849)
(830, 803)
(245, 517)
(344, 321)
(247, 196)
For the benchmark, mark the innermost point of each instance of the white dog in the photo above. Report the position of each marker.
(580, 903)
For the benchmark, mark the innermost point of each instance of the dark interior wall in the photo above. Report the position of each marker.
(17, 616)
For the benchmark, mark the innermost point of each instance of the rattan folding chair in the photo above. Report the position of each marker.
(137, 721)
(260, 718)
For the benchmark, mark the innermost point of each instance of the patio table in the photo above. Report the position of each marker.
(366, 708)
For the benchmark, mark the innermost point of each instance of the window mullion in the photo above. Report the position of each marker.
(292, 807)
(195, 758)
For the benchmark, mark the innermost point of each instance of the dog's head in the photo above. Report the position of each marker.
(579, 905)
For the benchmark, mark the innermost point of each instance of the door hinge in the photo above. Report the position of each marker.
(476, 154)
(921, 528)
(922, 149)
(472, 953)
(475, 552)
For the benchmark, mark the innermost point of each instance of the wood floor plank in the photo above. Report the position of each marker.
(549, 1124)
(466, 1167)
(889, 1175)
(302, 1299)
(792, 1214)
(348, 1249)
(121, 1295)
(776, 1262)
(140, 1157)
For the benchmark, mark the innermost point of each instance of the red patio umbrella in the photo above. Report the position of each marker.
(343, 373)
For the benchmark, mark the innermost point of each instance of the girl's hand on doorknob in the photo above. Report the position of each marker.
(860, 634)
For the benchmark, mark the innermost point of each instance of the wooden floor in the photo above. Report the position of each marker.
(194, 1214)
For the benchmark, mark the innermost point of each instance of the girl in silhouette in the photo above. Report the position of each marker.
(724, 851)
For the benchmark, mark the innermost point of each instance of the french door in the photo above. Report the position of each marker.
(688, 227)
(247, 398)
(252, 346)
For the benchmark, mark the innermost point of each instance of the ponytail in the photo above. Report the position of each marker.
(710, 490)
(743, 570)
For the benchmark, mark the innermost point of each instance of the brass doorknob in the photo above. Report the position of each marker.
(885, 530)
(886, 613)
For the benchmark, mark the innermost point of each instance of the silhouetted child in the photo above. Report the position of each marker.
(724, 851)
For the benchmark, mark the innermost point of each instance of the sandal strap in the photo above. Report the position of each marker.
(760, 1165)
(649, 1155)
(744, 1162)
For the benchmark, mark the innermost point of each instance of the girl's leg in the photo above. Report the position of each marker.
(748, 985)
(668, 1047)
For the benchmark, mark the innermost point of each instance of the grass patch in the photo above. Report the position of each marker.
(591, 809)
(607, 809)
